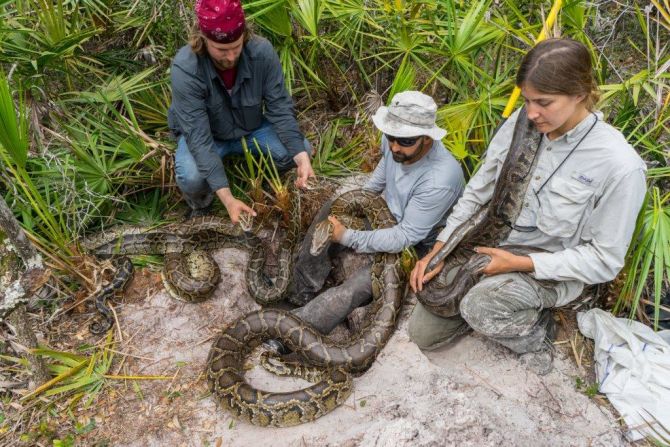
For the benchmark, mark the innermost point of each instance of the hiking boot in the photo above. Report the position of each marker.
(663, 315)
(276, 346)
(550, 325)
(540, 362)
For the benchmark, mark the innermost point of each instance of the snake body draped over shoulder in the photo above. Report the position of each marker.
(225, 364)
(488, 227)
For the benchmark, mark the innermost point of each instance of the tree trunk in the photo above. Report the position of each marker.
(25, 337)
(18, 318)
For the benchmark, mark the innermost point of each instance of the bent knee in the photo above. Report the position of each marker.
(191, 183)
(476, 310)
(429, 331)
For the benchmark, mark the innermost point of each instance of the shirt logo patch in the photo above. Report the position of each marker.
(585, 180)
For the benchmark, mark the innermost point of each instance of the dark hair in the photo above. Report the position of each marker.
(560, 66)
(197, 39)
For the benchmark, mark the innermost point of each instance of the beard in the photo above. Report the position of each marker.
(399, 157)
(222, 64)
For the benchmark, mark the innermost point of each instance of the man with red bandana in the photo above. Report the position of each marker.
(228, 86)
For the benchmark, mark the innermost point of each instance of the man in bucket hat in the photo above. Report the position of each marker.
(420, 181)
(228, 86)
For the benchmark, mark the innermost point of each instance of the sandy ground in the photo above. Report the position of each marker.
(473, 392)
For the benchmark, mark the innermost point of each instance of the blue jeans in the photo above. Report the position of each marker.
(194, 187)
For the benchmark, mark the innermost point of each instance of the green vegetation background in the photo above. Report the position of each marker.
(84, 91)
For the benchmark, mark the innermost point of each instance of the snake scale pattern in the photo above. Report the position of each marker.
(225, 364)
(190, 273)
(487, 228)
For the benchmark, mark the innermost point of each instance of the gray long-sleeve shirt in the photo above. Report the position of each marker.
(418, 195)
(585, 215)
(202, 110)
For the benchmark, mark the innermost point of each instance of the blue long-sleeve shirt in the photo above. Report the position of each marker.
(419, 195)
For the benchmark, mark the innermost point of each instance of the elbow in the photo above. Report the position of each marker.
(609, 265)
(403, 242)
(610, 271)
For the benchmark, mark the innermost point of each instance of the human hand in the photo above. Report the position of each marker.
(502, 261)
(338, 229)
(234, 206)
(304, 170)
(419, 277)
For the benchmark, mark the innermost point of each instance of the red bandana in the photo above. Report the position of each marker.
(220, 20)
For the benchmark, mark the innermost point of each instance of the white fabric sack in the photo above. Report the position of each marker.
(633, 369)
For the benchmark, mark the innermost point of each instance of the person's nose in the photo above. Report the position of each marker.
(532, 111)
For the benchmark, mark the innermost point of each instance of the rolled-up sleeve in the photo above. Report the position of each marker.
(190, 111)
(421, 214)
(279, 108)
(608, 233)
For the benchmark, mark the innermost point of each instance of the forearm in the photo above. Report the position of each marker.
(522, 264)
(435, 250)
(503, 261)
(582, 263)
(225, 196)
(301, 159)
(388, 240)
(189, 115)
(279, 109)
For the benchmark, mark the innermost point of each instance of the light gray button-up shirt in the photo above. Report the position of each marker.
(585, 215)
(418, 195)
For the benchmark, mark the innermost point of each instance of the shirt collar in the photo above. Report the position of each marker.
(584, 125)
(244, 64)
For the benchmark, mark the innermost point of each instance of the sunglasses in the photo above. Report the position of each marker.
(402, 141)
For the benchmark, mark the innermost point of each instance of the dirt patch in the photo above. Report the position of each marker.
(473, 392)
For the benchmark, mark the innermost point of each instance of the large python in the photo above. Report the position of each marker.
(490, 225)
(189, 272)
(225, 363)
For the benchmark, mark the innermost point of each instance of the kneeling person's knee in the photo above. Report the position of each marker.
(475, 310)
(429, 331)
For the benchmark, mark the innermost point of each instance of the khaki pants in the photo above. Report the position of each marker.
(510, 308)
